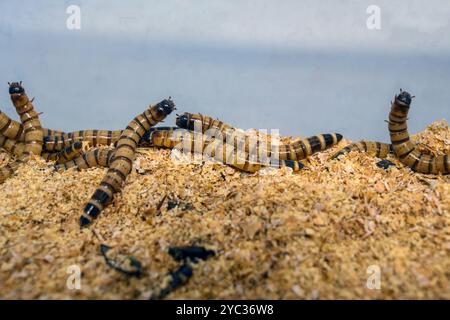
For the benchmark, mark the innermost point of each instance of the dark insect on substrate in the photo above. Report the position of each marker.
(121, 262)
(193, 253)
(385, 164)
(189, 255)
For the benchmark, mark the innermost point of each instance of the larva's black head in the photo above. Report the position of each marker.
(404, 98)
(182, 121)
(165, 107)
(16, 88)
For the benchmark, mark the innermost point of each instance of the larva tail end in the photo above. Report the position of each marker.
(90, 213)
(84, 222)
(339, 137)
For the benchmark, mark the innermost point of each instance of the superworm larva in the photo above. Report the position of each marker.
(296, 150)
(65, 155)
(89, 159)
(92, 137)
(17, 149)
(215, 148)
(377, 149)
(123, 158)
(188, 120)
(403, 148)
(31, 127)
(14, 130)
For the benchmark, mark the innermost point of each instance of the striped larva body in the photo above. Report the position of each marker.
(93, 138)
(31, 127)
(89, 159)
(403, 148)
(188, 121)
(14, 130)
(12, 146)
(377, 149)
(72, 151)
(121, 164)
(303, 148)
(214, 148)
(18, 148)
(33, 135)
(296, 150)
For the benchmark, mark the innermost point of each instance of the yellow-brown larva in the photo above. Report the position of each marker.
(17, 149)
(373, 148)
(12, 129)
(93, 138)
(69, 153)
(295, 150)
(89, 159)
(403, 148)
(33, 135)
(12, 146)
(124, 155)
(215, 148)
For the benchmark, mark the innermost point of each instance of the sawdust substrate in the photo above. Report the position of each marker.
(277, 235)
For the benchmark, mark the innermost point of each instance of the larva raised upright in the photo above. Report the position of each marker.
(123, 158)
(31, 127)
(403, 148)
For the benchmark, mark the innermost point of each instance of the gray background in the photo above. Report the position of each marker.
(303, 67)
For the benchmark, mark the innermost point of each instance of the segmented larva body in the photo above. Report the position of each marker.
(17, 148)
(93, 138)
(122, 162)
(12, 146)
(31, 127)
(188, 120)
(72, 151)
(89, 159)
(14, 130)
(303, 148)
(377, 149)
(296, 150)
(216, 149)
(403, 148)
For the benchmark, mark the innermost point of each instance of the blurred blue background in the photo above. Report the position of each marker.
(303, 67)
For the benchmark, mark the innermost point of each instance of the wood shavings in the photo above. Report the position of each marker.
(280, 235)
